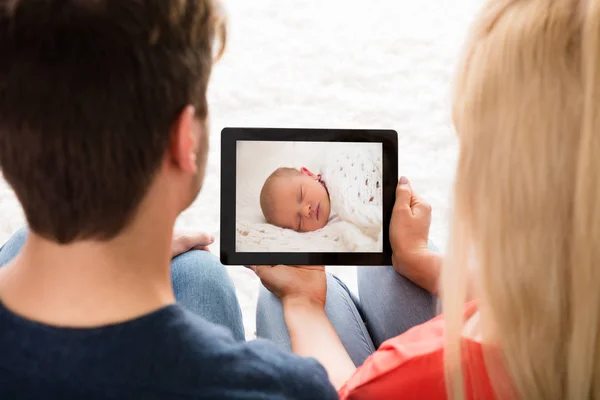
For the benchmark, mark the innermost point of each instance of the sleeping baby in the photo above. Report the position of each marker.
(348, 186)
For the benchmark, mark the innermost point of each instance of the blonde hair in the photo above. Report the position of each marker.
(527, 200)
(267, 200)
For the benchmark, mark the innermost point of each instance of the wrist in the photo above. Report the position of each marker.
(403, 260)
(303, 302)
(299, 311)
(423, 268)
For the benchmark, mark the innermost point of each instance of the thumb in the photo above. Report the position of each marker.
(403, 195)
(262, 271)
(421, 208)
(199, 240)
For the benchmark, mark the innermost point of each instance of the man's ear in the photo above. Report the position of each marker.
(184, 141)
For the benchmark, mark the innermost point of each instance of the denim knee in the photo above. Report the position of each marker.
(202, 285)
(13, 247)
(203, 268)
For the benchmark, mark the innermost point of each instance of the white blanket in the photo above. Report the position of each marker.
(354, 178)
(337, 236)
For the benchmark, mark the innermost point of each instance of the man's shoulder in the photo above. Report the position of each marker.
(206, 356)
(171, 353)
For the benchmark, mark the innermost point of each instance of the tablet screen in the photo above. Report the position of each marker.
(309, 197)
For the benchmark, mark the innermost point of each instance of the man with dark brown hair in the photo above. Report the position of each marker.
(104, 139)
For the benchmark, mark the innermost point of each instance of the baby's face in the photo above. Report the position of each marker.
(301, 203)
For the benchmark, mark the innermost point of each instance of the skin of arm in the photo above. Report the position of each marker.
(303, 292)
(313, 335)
(424, 270)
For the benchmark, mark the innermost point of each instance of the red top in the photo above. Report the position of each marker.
(411, 366)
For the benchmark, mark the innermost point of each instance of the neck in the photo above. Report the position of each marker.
(92, 283)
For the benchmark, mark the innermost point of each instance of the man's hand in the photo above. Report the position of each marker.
(186, 242)
(294, 283)
(409, 236)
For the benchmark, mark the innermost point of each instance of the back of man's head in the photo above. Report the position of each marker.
(88, 93)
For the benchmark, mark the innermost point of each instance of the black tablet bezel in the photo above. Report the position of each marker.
(229, 138)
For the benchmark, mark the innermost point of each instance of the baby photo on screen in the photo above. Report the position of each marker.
(309, 197)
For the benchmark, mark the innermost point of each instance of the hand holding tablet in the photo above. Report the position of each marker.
(298, 283)
(307, 196)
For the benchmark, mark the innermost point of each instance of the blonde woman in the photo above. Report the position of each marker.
(525, 241)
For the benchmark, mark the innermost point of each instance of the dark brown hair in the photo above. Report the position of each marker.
(88, 93)
(267, 201)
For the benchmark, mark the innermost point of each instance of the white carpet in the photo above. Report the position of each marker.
(332, 64)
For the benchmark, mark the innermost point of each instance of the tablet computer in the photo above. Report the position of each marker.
(307, 196)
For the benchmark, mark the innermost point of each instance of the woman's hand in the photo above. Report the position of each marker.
(409, 237)
(186, 242)
(409, 226)
(302, 291)
(294, 283)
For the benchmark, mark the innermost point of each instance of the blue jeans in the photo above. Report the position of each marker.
(389, 305)
(200, 282)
